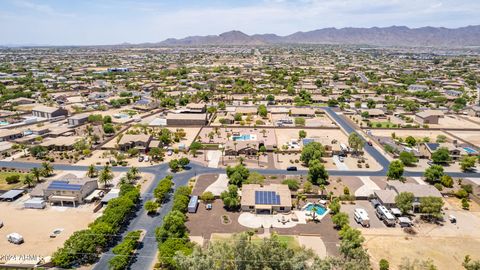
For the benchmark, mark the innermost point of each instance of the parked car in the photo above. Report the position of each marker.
(341, 158)
(292, 168)
(208, 206)
(375, 203)
(370, 143)
(140, 158)
(146, 159)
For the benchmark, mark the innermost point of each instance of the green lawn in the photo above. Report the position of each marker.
(3, 183)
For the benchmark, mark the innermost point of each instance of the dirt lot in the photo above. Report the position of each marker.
(446, 245)
(469, 136)
(454, 121)
(420, 133)
(36, 237)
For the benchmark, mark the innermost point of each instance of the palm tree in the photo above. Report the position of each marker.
(28, 180)
(105, 176)
(36, 173)
(47, 169)
(134, 171)
(314, 213)
(92, 171)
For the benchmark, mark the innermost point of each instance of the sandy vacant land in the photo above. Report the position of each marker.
(454, 121)
(445, 245)
(419, 134)
(36, 225)
(286, 135)
(472, 137)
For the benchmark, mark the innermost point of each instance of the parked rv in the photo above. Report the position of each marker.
(361, 217)
(385, 215)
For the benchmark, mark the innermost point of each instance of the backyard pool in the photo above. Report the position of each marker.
(121, 116)
(244, 137)
(470, 150)
(4, 123)
(320, 209)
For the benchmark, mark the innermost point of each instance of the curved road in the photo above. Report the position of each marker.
(142, 221)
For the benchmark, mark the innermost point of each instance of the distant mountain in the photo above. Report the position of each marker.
(386, 36)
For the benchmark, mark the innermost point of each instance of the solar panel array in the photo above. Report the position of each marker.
(64, 185)
(267, 197)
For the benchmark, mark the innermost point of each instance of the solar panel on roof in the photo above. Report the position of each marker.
(267, 197)
(63, 185)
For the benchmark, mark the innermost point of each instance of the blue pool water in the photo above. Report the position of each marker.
(320, 209)
(469, 150)
(4, 123)
(244, 137)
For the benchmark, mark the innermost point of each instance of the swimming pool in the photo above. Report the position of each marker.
(470, 150)
(244, 137)
(4, 123)
(320, 209)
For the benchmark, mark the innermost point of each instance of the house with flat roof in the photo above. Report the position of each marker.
(68, 190)
(247, 148)
(10, 134)
(48, 112)
(266, 199)
(78, 119)
(302, 112)
(428, 116)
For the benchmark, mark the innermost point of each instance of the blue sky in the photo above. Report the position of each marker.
(92, 22)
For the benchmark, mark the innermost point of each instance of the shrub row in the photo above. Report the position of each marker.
(163, 189)
(123, 251)
(172, 236)
(84, 246)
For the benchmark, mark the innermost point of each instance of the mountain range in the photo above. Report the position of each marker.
(380, 36)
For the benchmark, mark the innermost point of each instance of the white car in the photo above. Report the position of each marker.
(341, 158)
(146, 159)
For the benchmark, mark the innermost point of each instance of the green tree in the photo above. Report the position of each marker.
(383, 264)
(340, 219)
(433, 173)
(36, 172)
(302, 134)
(312, 151)
(230, 198)
(404, 201)
(183, 162)
(207, 197)
(106, 175)
(395, 170)
(47, 169)
(194, 147)
(446, 180)
(28, 180)
(467, 163)
(151, 207)
(431, 206)
(407, 158)
(335, 206)
(470, 264)
(92, 171)
(411, 141)
(355, 141)
(174, 165)
(262, 110)
(441, 156)
(317, 174)
(292, 184)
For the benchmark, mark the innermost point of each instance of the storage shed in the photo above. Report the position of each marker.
(35, 203)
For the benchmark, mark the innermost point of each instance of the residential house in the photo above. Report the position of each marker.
(73, 190)
(48, 112)
(138, 141)
(266, 199)
(428, 117)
